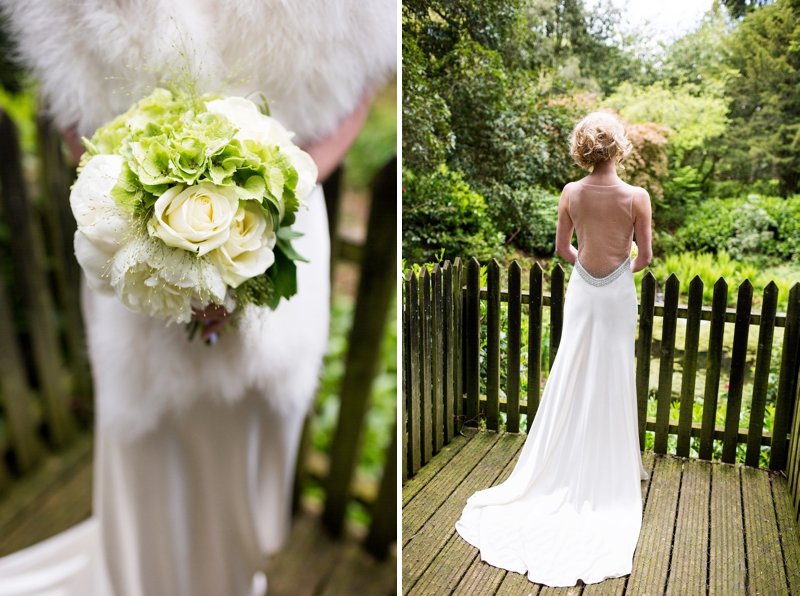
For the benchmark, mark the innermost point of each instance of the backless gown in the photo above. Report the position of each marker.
(571, 509)
(195, 445)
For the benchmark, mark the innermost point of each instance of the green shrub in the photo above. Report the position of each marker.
(748, 229)
(441, 211)
(526, 217)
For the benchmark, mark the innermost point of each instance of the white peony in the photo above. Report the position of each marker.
(195, 218)
(253, 125)
(102, 226)
(95, 264)
(248, 251)
(99, 218)
(160, 281)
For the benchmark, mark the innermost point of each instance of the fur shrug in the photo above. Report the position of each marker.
(313, 60)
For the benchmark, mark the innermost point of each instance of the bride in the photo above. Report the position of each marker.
(572, 509)
(195, 444)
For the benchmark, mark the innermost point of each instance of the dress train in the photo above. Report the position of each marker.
(572, 508)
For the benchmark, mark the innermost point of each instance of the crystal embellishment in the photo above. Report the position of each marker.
(601, 281)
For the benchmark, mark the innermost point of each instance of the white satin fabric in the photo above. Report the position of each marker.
(193, 506)
(572, 507)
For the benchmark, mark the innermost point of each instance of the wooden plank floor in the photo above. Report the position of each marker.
(58, 494)
(707, 529)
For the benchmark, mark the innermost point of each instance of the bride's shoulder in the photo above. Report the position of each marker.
(637, 191)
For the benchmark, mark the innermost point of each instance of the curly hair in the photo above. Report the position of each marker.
(597, 138)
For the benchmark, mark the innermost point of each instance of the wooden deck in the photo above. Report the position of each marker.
(58, 495)
(708, 528)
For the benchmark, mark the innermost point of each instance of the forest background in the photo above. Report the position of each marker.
(492, 89)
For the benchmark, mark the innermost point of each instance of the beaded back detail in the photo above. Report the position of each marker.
(601, 281)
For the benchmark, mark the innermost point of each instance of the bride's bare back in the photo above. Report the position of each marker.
(606, 216)
(603, 218)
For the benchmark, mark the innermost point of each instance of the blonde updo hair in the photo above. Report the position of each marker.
(597, 138)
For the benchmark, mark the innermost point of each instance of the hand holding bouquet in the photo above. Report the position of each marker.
(185, 202)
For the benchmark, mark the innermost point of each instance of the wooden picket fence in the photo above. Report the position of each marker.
(442, 362)
(45, 381)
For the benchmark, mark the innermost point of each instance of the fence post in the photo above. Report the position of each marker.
(664, 396)
(411, 341)
(766, 331)
(404, 400)
(56, 178)
(14, 390)
(556, 310)
(450, 347)
(473, 342)
(793, 465)
(643, 346)
(534, 341)
(784, 402)
(688, 377)
(27, 254)
(426, 390)
(713, 367)
(513, 335)
(377, 285)
(493, 347)
(458, 338)
(738, 357)
(437, 360)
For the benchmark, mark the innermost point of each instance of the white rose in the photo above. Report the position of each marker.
(253, 125)
(195, 218)
(248, 251)
(99, 218)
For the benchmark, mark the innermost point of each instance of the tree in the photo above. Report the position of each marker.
(764, 54)
(473, 104)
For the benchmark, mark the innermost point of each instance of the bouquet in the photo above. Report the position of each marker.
(183, 202)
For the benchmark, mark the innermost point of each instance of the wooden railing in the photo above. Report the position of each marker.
(444, 364)
(45, 385)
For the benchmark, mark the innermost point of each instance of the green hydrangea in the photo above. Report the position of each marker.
(168, 138)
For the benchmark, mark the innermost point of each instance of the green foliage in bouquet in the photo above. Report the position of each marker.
(169, 138)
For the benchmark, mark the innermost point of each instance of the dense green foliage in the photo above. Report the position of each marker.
(748, 229)
(473, 103)
(491, 91)
(764, 53)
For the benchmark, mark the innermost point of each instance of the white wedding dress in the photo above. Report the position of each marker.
(195, 445)
(572, 508)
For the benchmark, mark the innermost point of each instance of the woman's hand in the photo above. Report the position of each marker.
(73, 141)
(214, 317)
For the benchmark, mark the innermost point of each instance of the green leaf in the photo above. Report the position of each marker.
(287, 248)
(290, 207)
(252, 190)
(283, 274)
(289, 234)
(127, 193)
